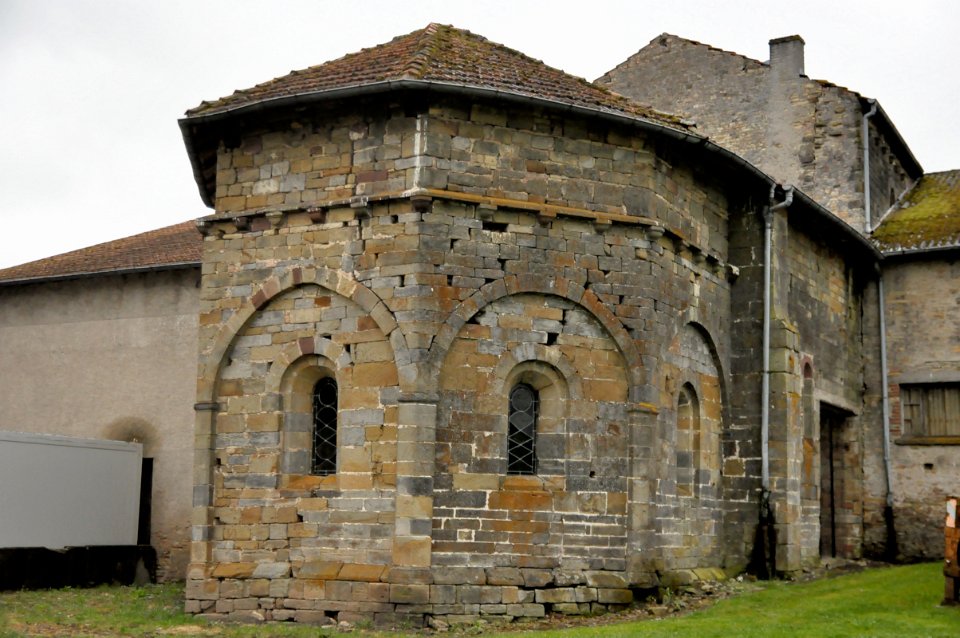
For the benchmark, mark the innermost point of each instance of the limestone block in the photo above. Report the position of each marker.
(532, 610)
(409, 593)
(616, 596)
(360, 572)
(319, 569)
(234, 570)
(460, 576)
(272, 570)
(557, 595)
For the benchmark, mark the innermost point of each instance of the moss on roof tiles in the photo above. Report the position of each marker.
(928, 216)
(446, 55)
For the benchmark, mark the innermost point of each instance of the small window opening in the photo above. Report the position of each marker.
(325, 427)
(522, 433)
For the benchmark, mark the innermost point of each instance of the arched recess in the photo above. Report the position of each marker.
(553, 376)
(693, 319)
(211, 359)
(810, 469)
(560, 349)
(688, 447)
(693, 387)
(554, 286)
(290, 381)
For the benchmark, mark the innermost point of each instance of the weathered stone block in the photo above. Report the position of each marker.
(271, 570)
(557, 595)
(410, 594)
(536, 578)
(617, 596)
(460, 576)
(234, 570)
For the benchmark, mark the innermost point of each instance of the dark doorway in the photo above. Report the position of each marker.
(837, 492)
(146, 493)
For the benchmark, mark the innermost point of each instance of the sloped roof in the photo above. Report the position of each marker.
(177, 245)
(446, 55)
(928, 217)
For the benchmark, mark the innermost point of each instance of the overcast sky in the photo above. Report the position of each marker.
(90, 91)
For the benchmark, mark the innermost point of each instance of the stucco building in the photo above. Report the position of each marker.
(98, 343)
(477, 337)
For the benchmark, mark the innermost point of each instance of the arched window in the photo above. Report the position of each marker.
(522, 430)
(324, 460)
(688, 441)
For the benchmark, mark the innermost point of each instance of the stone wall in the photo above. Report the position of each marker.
(460, 250)
(112, 351)
(922, 332)
(535, 261)
(800, 131)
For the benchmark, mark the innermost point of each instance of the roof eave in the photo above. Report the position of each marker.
(929, 251)
(42, 279)
(910, 163)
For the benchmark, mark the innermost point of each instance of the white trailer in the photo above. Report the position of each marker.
(58, 491)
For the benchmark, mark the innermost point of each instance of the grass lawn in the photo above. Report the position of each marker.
(896, 601)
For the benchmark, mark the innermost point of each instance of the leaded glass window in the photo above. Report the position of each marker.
(522, 431)
(325, 427)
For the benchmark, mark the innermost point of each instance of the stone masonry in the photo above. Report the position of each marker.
(430, 252)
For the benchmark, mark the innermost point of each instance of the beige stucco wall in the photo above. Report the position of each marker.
(110, 357)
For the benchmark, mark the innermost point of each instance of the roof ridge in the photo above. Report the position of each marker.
(421, 56)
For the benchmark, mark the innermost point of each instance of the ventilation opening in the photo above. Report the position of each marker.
(496, 227)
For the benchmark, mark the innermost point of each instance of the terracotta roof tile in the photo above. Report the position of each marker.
(928, 216)
(173, 245)
(440, 54)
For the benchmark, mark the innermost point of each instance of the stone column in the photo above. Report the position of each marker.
(416, 438)
(202, 592)
(643, 550)
(786, 390)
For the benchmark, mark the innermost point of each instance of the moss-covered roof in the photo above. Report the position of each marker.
(441, 54)
(927, 217)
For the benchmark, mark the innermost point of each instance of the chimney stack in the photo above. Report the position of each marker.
(786, 55)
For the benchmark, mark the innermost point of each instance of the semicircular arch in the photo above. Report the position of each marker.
(211, 359)
(556, 286)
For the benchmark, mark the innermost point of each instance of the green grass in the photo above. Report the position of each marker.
(894, 601)
(897, 601)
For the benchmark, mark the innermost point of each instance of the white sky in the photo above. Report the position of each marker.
(90, 91)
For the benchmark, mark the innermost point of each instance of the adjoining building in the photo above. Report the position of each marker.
(844, 151)
(101, 343)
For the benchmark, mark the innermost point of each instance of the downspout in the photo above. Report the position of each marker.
(765, 380)
(891, 544)
(888, 471)
(865, 134)
(765, 548)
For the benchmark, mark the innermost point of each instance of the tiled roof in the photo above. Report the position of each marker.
(928, 216)
(174, 245)
(444, 55)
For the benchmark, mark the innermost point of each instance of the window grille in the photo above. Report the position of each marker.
(931, 409)
(522, 431)
(325, 427)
